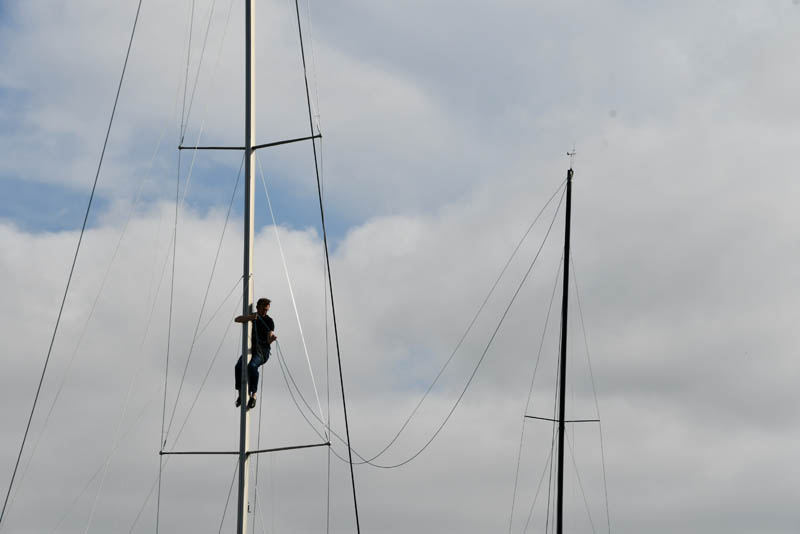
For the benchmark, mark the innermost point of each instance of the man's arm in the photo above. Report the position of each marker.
(246, 318)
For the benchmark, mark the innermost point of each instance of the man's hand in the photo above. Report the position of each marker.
(246, 318)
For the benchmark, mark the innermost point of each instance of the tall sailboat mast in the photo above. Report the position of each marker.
(247, 286)
(563, 366)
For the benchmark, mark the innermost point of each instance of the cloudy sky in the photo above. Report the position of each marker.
(445, 130)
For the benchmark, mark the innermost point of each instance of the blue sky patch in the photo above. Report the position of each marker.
(41, 207)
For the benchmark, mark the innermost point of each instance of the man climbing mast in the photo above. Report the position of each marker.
(262, 336)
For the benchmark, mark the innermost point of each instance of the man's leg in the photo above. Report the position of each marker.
(238, 380)
(252, 378)
(252, 372)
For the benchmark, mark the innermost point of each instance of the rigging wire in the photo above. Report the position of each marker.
(289, 380)
(147, 499)
(475, 370)
(271, 493)
(144, 336)
(530, 391)
(257, 500)
(178, 206)
(486, 349)
(89, 316)
(166, 461)
(121, 418)
(328, 269)
(320, 180)
(173, 246)
(186, 76)
(471, 323)
(74, 261)
(230, 491)
(328, 404)
(258, 458)
(114, 443)
(141, 346)
(200, 62)
(547, 463)
(293, 5)
(580, 482)
(205, 296)
(554, 433)
(594, 391)
(163, 439)
(117, 444)
(314, 70)
(219, 308)
(287, 377)
(289, 282)
(208, 371)
(213, 79)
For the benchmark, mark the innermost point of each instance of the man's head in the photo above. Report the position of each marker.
(262, 306)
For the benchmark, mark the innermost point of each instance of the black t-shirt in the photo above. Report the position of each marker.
(259, 339)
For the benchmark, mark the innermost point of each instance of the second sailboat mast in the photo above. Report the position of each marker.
(563, 365)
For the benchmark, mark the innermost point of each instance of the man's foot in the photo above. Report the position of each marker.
(238, 401)
(251, 403)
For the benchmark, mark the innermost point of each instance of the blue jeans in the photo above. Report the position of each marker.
(256, 361)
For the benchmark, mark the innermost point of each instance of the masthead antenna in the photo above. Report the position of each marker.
(571, 155)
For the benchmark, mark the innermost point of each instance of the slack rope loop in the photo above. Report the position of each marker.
(470, 325)
(485, 350)
(287, 377)
(289, 380)
(72, 268)
(463, 392)
(472, 376)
